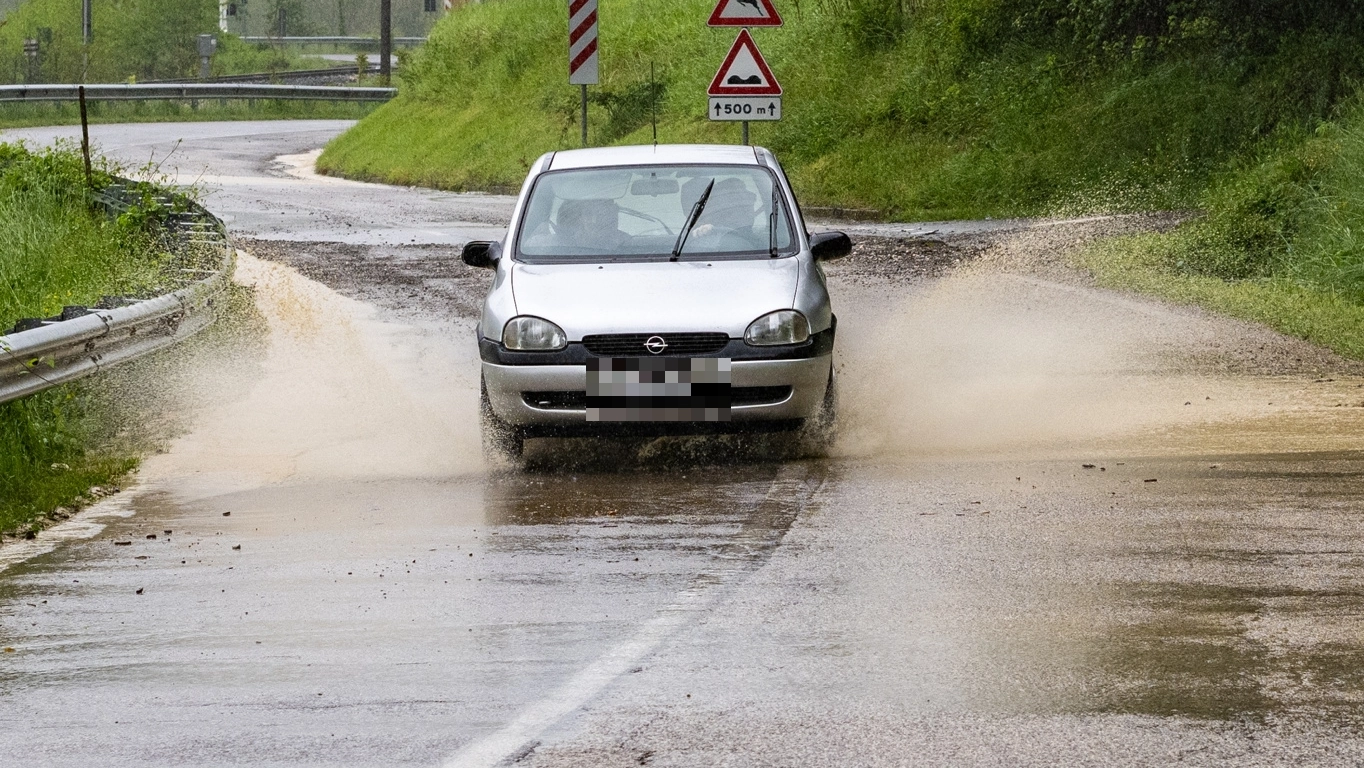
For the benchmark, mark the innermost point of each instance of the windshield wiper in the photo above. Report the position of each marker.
(772, 226)
(691, 220)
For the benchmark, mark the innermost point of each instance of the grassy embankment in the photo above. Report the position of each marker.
(960, 108)
(1282, 242)
(142, 40)
(56, 251)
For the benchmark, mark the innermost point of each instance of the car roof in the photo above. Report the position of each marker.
(655, 154)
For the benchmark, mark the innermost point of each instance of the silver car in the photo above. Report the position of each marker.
(656, 290)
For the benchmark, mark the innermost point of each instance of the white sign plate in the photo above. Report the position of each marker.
(582, 42)
(745, 107)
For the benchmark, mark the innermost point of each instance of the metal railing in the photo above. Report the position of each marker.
(192, 92)
(281, 76)
(59, 351)
(358, 41)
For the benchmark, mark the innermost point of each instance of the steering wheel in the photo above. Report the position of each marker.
(646, 217)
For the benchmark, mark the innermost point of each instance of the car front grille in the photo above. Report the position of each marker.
(632, 344)
(571, 400)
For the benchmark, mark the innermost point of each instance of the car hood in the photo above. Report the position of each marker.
(655, 297)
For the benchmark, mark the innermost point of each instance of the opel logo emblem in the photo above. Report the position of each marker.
(656, 345)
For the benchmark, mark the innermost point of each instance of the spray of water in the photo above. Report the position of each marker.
(983, 361)
(341, 395)
(993, 359)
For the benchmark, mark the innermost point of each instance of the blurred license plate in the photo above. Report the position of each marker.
(658, 389)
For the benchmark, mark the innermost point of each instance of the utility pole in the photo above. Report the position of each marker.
(87, 34)
(385, 40)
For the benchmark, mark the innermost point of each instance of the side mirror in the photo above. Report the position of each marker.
(830, 245)
(481, 253)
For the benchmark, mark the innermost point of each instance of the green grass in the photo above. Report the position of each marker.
(54, 249)
(46, 458)
(1281, 243)
(1307, 311)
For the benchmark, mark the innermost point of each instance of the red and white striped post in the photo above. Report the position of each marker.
(582, 50)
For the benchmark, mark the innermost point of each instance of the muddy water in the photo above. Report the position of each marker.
(343, 398)
(1002, 364)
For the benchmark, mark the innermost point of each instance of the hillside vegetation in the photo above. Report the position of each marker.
(931, 109)
(939, 108)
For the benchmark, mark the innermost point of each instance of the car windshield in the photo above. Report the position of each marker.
(642, 212)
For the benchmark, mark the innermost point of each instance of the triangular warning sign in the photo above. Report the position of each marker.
(744, 72)
(744, 13)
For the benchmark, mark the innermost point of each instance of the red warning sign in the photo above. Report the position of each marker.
(744, 13)
(744, 72)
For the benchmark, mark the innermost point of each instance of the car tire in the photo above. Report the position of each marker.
(501, 441)
(820, 431)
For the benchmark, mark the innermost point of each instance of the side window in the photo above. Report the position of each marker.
(800, 215)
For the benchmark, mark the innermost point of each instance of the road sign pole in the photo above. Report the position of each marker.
(582, 52)
(745, 133)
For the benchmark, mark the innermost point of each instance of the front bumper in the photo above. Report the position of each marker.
(806, 378)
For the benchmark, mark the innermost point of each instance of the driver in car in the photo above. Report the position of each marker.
(727, 222)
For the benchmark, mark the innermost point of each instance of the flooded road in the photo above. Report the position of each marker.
(1062, 527)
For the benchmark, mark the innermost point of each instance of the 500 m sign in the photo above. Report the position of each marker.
(745, 108)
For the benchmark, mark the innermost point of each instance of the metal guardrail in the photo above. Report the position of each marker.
(192, 92)
(60, 351)
(286, 40)
(282, 76)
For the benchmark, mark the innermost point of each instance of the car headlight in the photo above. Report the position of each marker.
(786, 326)
(533, 334)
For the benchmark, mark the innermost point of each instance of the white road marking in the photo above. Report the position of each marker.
(518, 736)
(582, 687)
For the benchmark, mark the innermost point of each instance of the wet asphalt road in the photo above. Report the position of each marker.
(953, 587)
